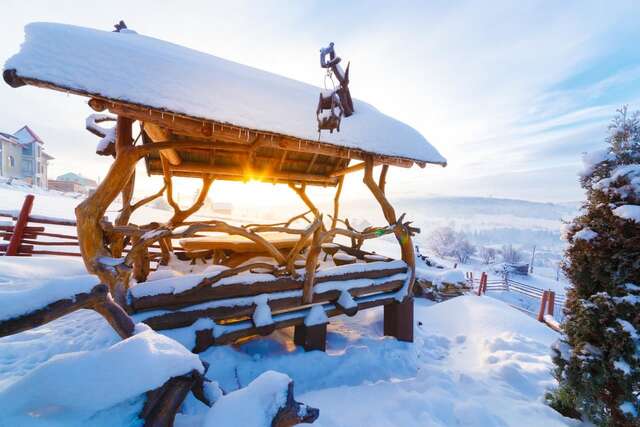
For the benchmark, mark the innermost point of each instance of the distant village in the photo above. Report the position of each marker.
(23, 158)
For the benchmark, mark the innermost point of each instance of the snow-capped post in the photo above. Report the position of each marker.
(21, 223)
(543, 306)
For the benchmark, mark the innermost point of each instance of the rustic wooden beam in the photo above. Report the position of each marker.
(336, 203)
(89, 213)
(403, 234)
(163, 403)
(238, 290)
(203, 128)
(159, 134)
(301, 192)
(97, 299)
(181, 318)
(354, 168)
(245, 174)
(205, 337)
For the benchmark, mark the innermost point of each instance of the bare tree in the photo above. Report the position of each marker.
(488, 255)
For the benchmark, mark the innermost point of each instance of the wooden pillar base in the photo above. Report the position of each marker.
(398, 320)
(311, 337)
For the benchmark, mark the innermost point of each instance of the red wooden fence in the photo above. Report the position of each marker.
(23, 238)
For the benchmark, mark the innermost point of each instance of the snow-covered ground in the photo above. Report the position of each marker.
(476, 361)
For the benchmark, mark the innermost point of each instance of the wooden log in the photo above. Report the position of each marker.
(162, 404)
(91, 211)
(52, 311)
(19, 228)
(205, 337)
(294, 413)
(52, 221)
(115, 315)
(229, 172)
(398, 320)
(312, 262)
(311, 337)
(159, 134)
(403, 234)
(279, 284)
(336, 203)
(182, 318)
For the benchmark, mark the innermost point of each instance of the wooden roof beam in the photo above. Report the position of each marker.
(160, 134)
(244, 174)
(207, 129)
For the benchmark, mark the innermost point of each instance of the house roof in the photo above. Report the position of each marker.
(149, 72)
(9, 138)
(26, 135)
(77, 178)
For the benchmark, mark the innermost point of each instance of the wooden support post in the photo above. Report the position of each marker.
(13, 248)
(480, 284)
(543, 304)
(484, 280)
(336, 203)
(402, 233)
(398, 320)
(90, 212)
(311, 337)
(551, 303)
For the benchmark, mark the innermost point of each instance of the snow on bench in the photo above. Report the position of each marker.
(17, 299)
(79, 384)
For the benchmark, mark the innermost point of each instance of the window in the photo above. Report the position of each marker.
(27, 149)
(12, 162)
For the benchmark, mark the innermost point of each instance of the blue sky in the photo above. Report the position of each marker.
(510, 92)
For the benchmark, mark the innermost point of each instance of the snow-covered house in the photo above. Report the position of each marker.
(22, 156)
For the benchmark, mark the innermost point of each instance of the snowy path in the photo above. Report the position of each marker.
(483, 374)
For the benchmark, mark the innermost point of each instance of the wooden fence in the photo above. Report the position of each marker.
(551, 304)
(25, 239)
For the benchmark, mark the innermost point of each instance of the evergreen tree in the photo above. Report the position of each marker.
(597, 359)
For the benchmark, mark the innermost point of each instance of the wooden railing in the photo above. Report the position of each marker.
(551, 303)
(24, 239)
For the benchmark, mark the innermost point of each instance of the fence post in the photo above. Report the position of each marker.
(18, 230)
(551, 303)
(485, 278)
(543, 304)
(480, 285)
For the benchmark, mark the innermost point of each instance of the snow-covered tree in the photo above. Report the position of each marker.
(446, 242)
(441, 241)
(510, 254)
(598, 357)
(488, 255)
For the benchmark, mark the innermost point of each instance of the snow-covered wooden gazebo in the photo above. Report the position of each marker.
(211, 119)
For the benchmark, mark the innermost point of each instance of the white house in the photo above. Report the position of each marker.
(22, 156)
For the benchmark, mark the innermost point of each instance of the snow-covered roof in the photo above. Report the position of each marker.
(146, 71)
